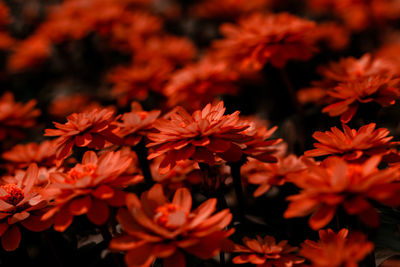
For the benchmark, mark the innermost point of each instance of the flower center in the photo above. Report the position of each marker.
(80, 171)
(15, 194)
(170, 216)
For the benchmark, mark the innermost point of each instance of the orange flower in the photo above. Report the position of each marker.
(21, 204)
(88, 129)
(351, 144)
(360, 14)
(260, 38)
(199, 136)
(29, 53)
(89, 188)
(337, 249)
(198, 84)
(266, 252)
(268, 174)
(157, 228)
(15, 115)
(347, 96)
(331, 34)
(136, 81)
(175, 50)
(136, 124)
(21, 156)
(64, 105)
(349, 71)
(335, 182)
(260, 147)
(228, 9)
(130, 30)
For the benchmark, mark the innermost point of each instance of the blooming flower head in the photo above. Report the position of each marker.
(136, 124)
(89, 188)
(15, 116)
(351, 144)
(21, 156)
(266, 175)
(346, 97)
(157, 228)
(259, 39)
(134, 82)
(336, 249)
(228, 9)
(87, 129)
(198, 84)
(266, 252)
(199, 136)
(336, 183)
(261, 147)
(21, 204)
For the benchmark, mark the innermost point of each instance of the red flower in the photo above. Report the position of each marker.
(331, 34)
(268, 174)
(15, 116)
(337, 249)
(64, 105)
(261, 147)
(266, 253)
(228, 9)
(199, 136)
(136, 81)
(175, 50)
(351, 144)
(157, 228)
(89, 188)
(21, 204)
(335, 182)
(198, 84)
(88, 129)
(136, 124)
(21, 156)
(347, 96)
(259, 39)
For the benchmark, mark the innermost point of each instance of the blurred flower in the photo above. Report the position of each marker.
(89, 188)
(266, 252)
(198, 84)
(130, 31)
(259, 39)
(136, 124)
(268, 174)
(174, 50)
(335, 183)
(157, 228)
(88, 129)
(21, 156)
(331, 34)
(360, 14)
(29, 53)
(337, 249)
(199, 136)
(351, 144)
(228, 9)
(15, 116)
(134, 82)
(21, 204)
(64, 105)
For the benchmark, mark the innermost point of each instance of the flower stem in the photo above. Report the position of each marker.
(292, 92)
(141, 152)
